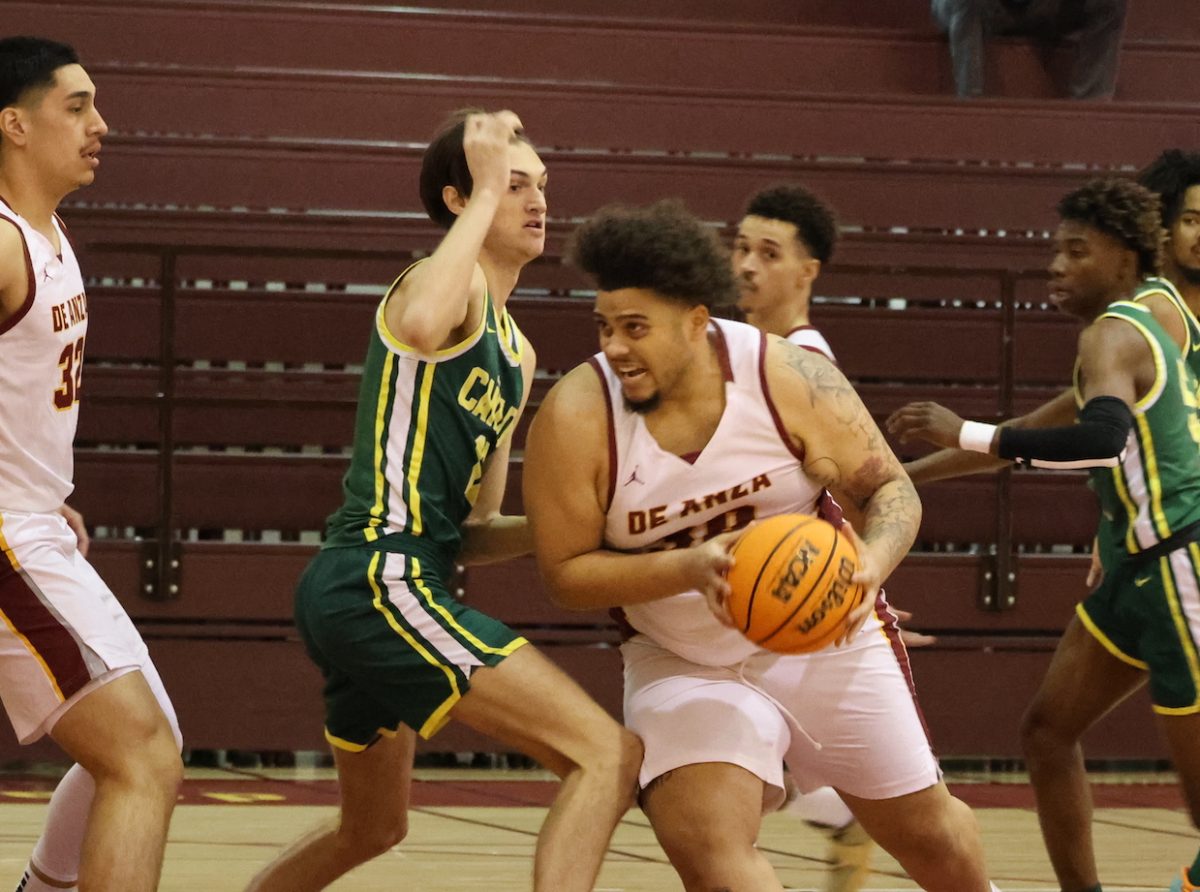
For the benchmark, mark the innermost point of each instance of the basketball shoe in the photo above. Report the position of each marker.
(849, 852)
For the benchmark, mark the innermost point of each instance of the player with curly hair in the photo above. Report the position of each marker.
(641, 467)
(1175, 177)
(1139, 435)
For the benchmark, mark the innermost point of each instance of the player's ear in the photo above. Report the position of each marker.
(809, 270)
(455, 200)
(698, 319)
(12, 125)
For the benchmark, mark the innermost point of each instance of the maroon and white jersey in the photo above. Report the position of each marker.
(809, 338)
(659, 500)
(41, 358)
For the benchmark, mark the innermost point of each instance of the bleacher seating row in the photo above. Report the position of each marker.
(258, 190)
(669, 44)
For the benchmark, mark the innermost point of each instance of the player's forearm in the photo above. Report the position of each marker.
(892, 517)
(499, 538)
(602, 579)
(948, 463)
(1098, 440)
(427, 318)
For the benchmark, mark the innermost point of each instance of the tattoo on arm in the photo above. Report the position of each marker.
(892, 518)
(877, 486)
(829, 386)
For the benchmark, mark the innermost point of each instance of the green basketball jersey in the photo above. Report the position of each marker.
(425, 427)
(1191, 326)
(1155, 489)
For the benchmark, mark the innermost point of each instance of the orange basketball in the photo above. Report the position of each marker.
(791, 583)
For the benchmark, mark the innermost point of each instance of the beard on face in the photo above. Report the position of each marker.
(643, 407)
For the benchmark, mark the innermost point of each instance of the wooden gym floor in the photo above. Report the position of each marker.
(475, 829)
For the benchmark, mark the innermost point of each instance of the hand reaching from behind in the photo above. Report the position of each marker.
(931, 422)
(909, 638)
(75, 522)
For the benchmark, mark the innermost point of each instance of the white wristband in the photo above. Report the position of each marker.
(976, 436)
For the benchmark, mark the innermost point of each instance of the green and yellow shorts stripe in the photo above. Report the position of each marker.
(1148, 615)
(394, 645)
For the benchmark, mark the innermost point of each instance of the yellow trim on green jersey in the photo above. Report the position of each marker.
(418, 450)
(1181, 623)
(1160, 367)
(1106, 642)
(1156, 285)
(1145, 435)
(1154, 483)
(381, 407)
(395, 343)
(1131, 543)
(439, 717)
(450, 620)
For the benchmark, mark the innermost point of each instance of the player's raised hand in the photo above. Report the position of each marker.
(486, 138)
(927, 421)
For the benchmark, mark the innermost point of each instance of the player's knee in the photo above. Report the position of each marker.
(378, 836)
(615, 753)
(1039, 735)
(706, 856)
(147, 757)
(159, 763)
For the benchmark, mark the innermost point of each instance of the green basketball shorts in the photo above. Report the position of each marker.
(395, 647)
(1147, 614)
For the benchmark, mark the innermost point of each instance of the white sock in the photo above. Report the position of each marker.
(30, 883)
(822, 806)
(995, 888)
(60, 847)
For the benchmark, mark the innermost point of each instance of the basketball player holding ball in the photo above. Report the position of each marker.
(641, 466)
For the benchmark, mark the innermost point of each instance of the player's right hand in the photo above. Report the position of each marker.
(927, 421)
(486, 138)
(710, 564)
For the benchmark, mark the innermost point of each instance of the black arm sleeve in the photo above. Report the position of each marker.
(1098, 440)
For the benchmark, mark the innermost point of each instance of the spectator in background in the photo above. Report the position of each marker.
(1097, 25)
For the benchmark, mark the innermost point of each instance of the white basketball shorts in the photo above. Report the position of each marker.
(843, 717)
(62, 631)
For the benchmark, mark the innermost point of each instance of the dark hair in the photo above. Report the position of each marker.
(1170, 175)
(814, 221)
(1126, 211)
(661, 247)
(29, 63)
(445, 164)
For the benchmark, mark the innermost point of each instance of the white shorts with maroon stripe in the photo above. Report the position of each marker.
(844, 717)
(62, 631)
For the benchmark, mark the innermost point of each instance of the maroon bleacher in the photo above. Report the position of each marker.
(262, 166)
